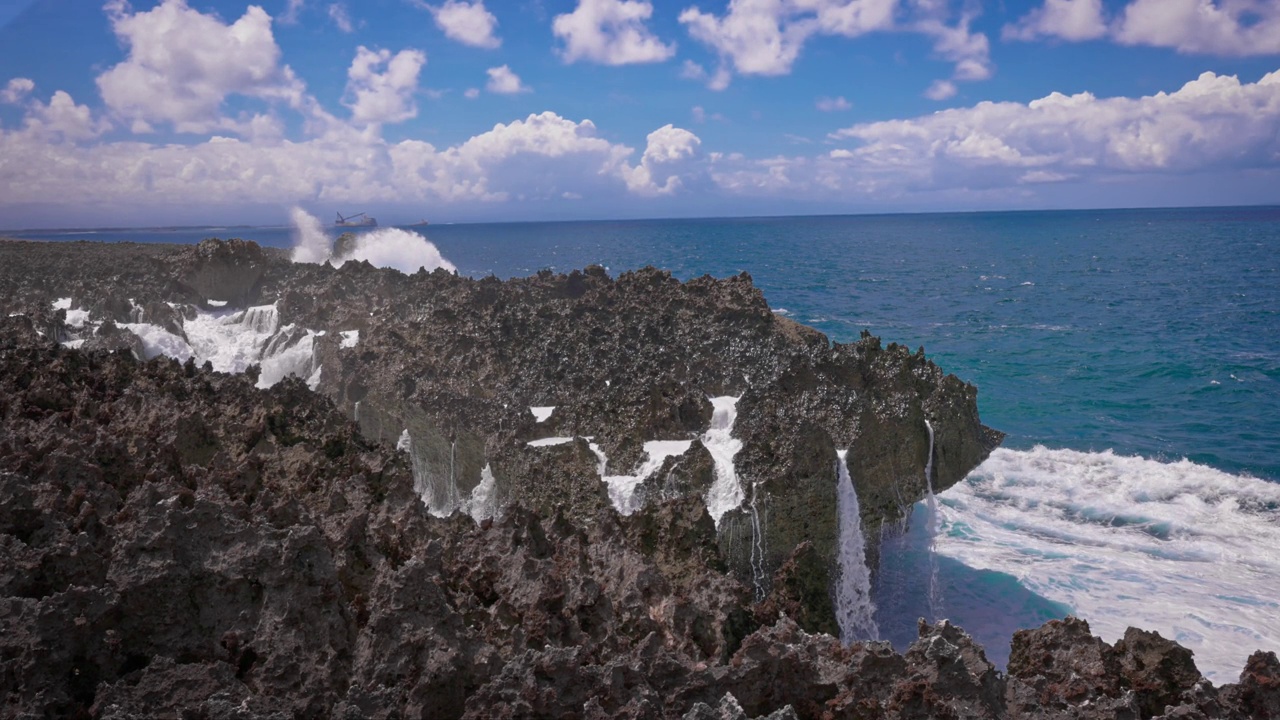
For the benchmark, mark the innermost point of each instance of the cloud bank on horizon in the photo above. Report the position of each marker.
(597, 108)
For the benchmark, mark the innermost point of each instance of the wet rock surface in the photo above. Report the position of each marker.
(449, 367)
(181, 542)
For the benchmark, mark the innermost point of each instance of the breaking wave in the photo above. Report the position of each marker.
(402, 250)
(1180, 548)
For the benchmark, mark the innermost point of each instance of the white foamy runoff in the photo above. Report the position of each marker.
(540, 414)
(75, 318)
(403, 250)
(1188, 551)
(855, 611)
(726, 491)
(350, 338)
(622, 488)
(482, 503)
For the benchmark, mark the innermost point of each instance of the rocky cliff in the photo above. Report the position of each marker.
(179, 542)
(557, 393)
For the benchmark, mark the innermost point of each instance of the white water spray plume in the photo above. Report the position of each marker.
(402, 250)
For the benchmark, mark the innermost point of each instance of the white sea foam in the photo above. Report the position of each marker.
(231, 340)
(726, 491)
(350, 338)
(404, 442)
(855, 611)
(482, 503)
(216, 303)
(545, 442)
(1179, 548)
(540, 414)
(622, 488)
(75, 318)
(285, 358)
(403, 250)
(62, 304)
(157, 341)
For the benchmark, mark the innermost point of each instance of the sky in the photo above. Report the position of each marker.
(187, 112)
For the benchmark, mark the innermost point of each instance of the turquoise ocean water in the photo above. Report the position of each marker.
(1133, 357)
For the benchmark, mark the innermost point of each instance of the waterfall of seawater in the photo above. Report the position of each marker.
(934, 521)
(854, 610)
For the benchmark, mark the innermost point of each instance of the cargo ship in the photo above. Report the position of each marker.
(357, 220)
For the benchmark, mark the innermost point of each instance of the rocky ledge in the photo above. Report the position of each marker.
(562, 394)
(176, 541)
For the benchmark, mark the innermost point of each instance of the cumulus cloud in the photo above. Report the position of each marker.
(341, 18)
(380, 85)
(941, 90)
(1230, 27)
(504, 82)
(1212, 27)
(1212, 122)
(469, 23)
(16, 90)
(1073, 20)
(61, 119)
(828, 104)
(540, 157)
(610, 32)
(665, 152)
(767, 37)
(182, 64)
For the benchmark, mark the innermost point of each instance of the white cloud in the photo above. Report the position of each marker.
(386, 96)
(1073, 20)
(766, 37)
(471, 93)
(941, 90)
(827, 104)
(291, 11)
(467, 22)
(667, 148)
(17, 90)
(610, 32)
(1231, 27)
(504, 82)
(1211, 123)
(341, 19)
(969, 51)
(61, 119)
(182, 64)
(543, 156)
(1213, 27)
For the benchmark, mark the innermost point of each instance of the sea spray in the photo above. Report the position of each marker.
(402, 250)
(310, 242)
(931, 502)
(726, 491)
(855, 611)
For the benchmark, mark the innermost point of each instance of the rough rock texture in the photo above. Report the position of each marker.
(454, 364)
(175, 542)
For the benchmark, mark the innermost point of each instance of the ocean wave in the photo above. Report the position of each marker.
(1179, 548)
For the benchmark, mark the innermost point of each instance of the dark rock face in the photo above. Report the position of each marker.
(454, 364)
(176, 542)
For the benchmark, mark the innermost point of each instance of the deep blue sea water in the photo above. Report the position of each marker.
(1133, 357)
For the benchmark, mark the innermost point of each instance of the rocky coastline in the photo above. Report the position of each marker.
(447, 504)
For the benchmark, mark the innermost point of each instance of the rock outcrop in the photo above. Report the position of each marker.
(450, 367)
(176, 541)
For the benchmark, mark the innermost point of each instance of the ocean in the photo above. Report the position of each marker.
(1132, 356)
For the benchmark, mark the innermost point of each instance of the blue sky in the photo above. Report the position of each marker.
(187, 112)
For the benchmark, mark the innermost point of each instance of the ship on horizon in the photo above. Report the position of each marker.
(357, 220)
